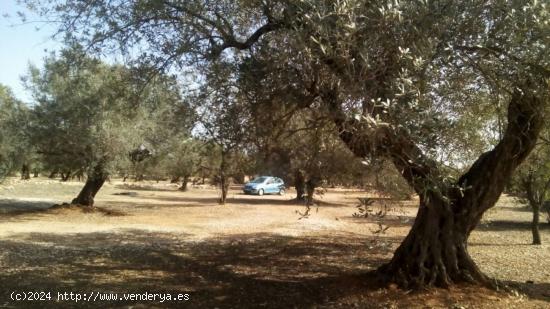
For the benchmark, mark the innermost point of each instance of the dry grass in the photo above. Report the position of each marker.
(253, 252)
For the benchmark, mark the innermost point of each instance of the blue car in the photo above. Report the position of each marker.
(265, 185)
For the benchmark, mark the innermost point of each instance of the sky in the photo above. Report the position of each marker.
(21, 44)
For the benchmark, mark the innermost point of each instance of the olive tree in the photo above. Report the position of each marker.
(85, 116)
(391, 76)
(221, 117)
(166, 119)
(15, 148)
(531, 183)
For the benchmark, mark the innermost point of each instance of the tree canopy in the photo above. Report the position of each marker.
(14, 146)
(409, 81)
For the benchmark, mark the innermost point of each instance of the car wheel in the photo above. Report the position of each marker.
(282, 191)
(261, 192)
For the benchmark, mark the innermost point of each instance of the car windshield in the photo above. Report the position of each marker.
(259, 180)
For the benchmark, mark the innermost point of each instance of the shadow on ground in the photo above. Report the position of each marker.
(244, 271)
(239, 199)
(18, 206)
(534, 290)
(239, 272)
(505, 225)
(144, 187)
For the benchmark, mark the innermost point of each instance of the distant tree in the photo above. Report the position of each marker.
(85, 117)
(166, 120)
(180, 159)
(15, 147)
(222, 118)
(531, 183)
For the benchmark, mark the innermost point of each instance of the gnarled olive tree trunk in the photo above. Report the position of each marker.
(435, 250)
(96, 179)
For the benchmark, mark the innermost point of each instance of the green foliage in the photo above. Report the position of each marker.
(164, 120)
(178, 157)
(437, 72)
(14, 144)
(531, 182)
(88, 112)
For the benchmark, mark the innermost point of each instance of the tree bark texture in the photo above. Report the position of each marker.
(435, 250)
(95, 181)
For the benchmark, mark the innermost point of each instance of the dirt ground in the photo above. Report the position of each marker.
(254, 252)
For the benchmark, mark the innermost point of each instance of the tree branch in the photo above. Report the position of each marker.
(487, 177)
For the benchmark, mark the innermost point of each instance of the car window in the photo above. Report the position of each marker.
(259, 180)
(270, 181)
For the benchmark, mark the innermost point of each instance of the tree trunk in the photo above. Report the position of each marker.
(535, 224)
(25, 172)
(175, 179)
(536, 200)
(66, 176)
(435, 250)
(299, 184)
(80, 174)
(35, 174)
(184, 183)
(224, 184)
(52, 175)
(95, 181)
(311, 184)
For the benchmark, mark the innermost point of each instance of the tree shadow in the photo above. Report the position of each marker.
(8, 205)
(511, 245)
(522, 208)
(13, 210)
(534, 290)
(144, 187)
(127, 205)
(505, 225)
(389, 220)
(244, 271)
(240, 199)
